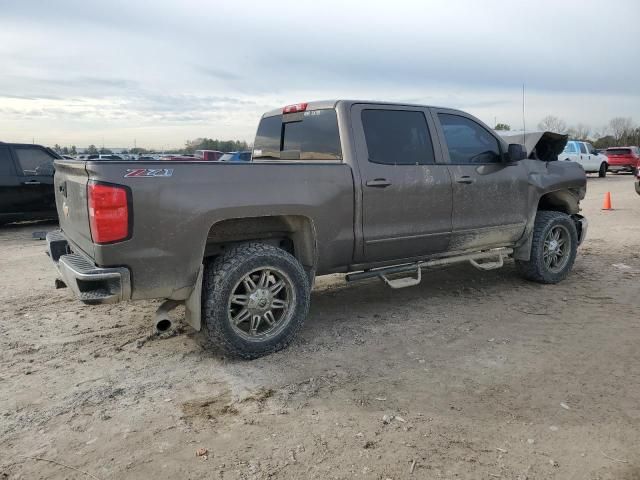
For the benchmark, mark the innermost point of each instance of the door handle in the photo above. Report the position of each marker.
(465, 179)
(31, 182)
(378, 183)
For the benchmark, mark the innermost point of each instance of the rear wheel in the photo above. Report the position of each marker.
(603, 170)
(553, 248)
(255, 299)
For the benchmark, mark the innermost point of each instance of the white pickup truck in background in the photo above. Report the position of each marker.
(587, 156)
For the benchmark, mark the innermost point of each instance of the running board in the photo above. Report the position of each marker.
(494, 259)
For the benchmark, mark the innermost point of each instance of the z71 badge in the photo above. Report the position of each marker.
(149, 172)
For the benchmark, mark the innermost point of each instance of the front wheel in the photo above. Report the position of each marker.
(255, 299)
(553, 248)
(602, 172)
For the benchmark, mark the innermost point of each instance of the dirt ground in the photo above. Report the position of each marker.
(471, 375)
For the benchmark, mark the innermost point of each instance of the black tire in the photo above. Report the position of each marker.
(602, 172)
(535, 269)
(225, 273)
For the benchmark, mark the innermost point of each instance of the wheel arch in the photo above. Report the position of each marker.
(293, 233)
(558, 201)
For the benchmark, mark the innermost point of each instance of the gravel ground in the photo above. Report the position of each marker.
(470, 375)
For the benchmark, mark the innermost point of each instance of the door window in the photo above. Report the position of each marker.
(469, 142)
(583, 148)
(397, 137)
(6, 164)
(34, 161)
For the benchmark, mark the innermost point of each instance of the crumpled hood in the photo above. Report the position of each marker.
(541, 145)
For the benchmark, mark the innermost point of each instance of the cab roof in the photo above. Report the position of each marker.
(320, 104)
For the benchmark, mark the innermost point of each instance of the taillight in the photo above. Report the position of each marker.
(296, 107)
(109, 215)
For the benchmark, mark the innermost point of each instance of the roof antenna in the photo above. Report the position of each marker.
(524, 128)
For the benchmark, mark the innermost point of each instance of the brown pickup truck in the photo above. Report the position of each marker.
(364, 188)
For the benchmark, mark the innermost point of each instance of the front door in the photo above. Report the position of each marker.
(406, 193)
(35, 192)
(490, 205)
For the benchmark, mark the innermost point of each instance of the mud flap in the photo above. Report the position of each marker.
(193, 304)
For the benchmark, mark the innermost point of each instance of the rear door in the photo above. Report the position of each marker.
(593, 159)
(489, 195)
(584, 158)
(406, 191)
(34, 191)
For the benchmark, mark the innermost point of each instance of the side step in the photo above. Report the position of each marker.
(494, 259)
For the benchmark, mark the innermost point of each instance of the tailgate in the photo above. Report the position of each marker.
(70, 183)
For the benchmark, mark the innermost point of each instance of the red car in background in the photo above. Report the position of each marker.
(623, 159)
(208, 155)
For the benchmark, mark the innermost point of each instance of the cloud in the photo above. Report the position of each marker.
(74, 67)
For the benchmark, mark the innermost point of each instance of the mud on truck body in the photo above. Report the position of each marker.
(367, 189)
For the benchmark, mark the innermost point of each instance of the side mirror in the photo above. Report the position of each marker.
(516, 152)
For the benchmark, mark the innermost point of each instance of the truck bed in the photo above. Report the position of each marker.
(175, 205)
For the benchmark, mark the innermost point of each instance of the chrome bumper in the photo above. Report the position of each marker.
(91, 284)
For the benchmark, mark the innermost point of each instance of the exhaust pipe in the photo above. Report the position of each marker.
(162, 323)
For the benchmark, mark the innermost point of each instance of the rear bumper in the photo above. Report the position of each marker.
(90, 283)
(621, 167)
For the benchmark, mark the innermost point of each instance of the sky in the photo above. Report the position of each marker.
(155, 74)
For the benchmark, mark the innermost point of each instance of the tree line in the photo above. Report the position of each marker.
(620, 131)
(189, 147)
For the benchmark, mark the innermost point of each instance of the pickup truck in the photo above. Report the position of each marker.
(26, 182)
(374, 190)
(583, 153)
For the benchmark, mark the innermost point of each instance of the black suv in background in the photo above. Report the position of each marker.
(26, 182)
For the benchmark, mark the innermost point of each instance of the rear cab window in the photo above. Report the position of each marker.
(570, 148)
(311, 135)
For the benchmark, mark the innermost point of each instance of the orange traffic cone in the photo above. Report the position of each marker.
(607, 202)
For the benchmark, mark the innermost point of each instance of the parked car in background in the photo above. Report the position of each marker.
(180, 158)
(96, 156)
(236, 157)
(623, 159)
(587, 156)
(208, 155)
(26, 182)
